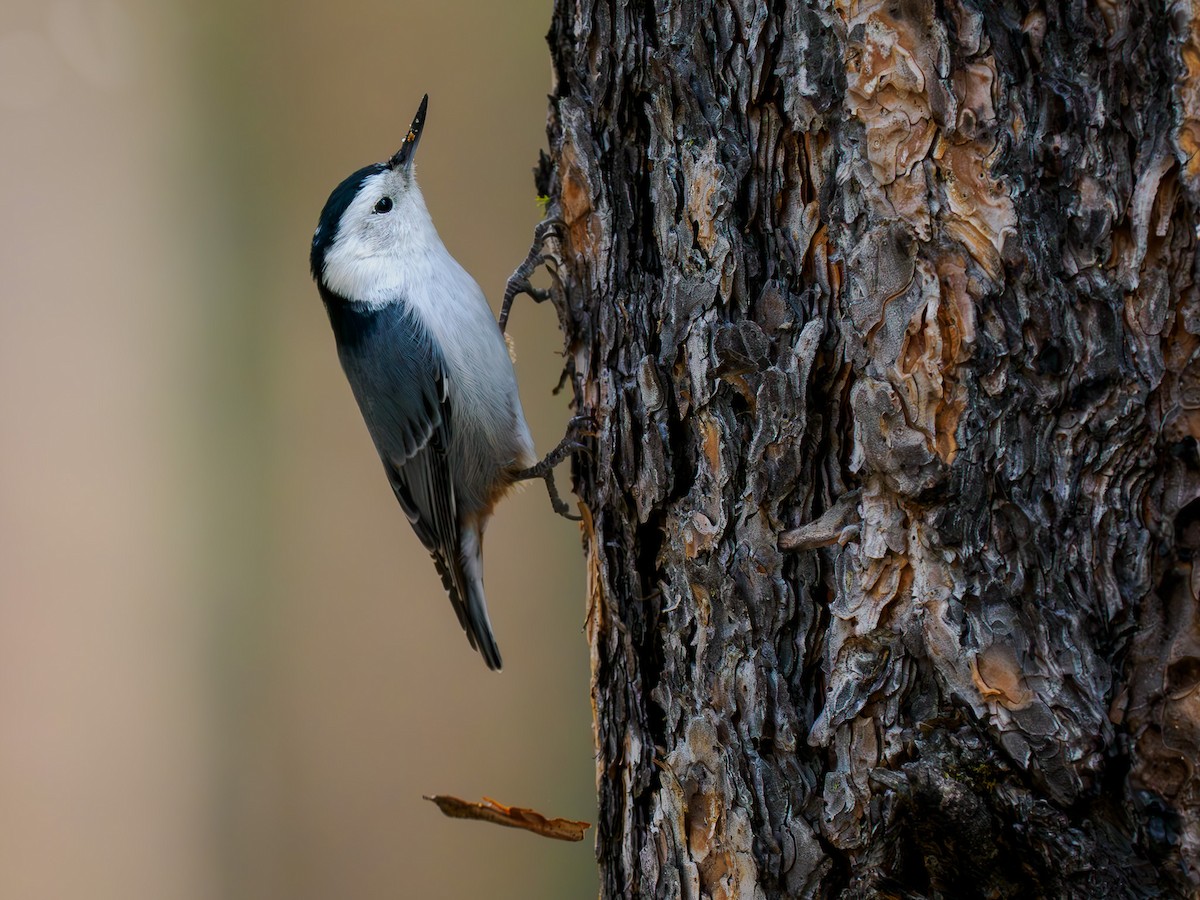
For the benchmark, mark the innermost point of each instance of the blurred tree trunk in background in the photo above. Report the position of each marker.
(887, 315)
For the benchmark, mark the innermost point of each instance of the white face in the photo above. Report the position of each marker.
(385, 209)
(384, 227)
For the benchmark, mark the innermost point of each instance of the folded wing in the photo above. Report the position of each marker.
(398, 377)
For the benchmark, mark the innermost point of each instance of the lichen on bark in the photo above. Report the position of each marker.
(887, 317)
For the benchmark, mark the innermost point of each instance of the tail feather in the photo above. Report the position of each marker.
(481, 627)
(451, 581)
(462, 577)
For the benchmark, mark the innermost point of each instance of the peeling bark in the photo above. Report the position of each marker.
(888, 317)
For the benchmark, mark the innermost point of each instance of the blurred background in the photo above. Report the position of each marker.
(227, 667)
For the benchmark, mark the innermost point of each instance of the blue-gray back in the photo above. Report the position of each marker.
(398, 378)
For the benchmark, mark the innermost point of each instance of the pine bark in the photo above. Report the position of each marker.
(887, 316)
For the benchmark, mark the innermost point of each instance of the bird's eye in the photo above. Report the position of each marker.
(384, 205)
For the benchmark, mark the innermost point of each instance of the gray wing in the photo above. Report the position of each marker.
(399, 380)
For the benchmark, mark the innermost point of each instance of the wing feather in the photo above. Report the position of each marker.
(399, 380)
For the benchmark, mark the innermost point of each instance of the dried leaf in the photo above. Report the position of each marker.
(511, 816)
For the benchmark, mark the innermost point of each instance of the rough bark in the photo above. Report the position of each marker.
(887, 315)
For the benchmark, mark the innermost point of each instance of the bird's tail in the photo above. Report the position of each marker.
(462, 576)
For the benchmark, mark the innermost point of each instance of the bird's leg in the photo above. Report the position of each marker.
(519, 282)
(578, 428)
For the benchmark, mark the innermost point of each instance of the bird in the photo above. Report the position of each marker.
(429, 368)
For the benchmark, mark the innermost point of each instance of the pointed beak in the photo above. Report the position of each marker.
(403, 157)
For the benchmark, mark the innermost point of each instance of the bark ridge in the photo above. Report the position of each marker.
(913, 285)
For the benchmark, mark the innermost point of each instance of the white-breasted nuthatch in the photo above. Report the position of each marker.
(430, 370)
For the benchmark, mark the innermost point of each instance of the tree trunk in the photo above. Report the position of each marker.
(886, 313)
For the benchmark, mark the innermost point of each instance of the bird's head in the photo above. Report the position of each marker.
(374, 215)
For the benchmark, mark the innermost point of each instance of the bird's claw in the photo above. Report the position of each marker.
(518, 282)
(583, 425)
(557, 503)
(579, 427)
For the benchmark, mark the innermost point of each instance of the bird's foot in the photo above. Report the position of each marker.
(579, 428)
(519, 282)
